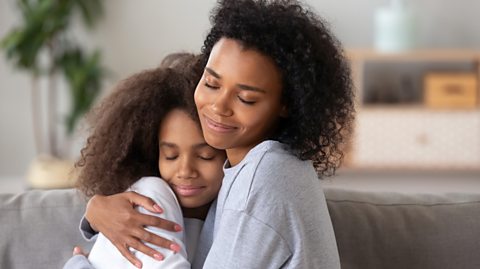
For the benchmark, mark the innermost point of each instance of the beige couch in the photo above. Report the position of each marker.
(374, 229)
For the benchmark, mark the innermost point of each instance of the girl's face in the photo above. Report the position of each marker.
(192, 168)
(238, 98)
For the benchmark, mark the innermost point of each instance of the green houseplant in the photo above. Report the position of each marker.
(43, 46)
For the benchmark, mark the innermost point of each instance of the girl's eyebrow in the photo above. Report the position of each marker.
(241, 86)
(167, 144)
(200, 145)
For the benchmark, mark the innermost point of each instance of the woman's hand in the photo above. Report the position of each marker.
(115, 216)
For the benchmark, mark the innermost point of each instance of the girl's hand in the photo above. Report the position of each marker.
(115, 216)
(79, 251)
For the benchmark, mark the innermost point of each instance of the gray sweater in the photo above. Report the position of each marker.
(270, 213)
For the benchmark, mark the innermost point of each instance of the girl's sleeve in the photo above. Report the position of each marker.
(105, 255)
(78, 262)
(86, 230)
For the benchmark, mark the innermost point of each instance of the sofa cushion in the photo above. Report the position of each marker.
(38, 229)
(401, 230)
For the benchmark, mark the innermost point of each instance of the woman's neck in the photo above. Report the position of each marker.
(236, 155)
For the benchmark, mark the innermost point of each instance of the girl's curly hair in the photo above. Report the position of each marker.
(123, 145)
(317, 87)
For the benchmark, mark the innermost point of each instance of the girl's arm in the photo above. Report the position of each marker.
(78, 260)
(115, 216)
(105, 255)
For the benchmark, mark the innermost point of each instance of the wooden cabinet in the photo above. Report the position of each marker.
(414, 135)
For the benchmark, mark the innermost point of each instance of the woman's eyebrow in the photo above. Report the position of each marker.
(213, 73)
(250, 88)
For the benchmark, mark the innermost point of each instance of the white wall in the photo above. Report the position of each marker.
(136, 34)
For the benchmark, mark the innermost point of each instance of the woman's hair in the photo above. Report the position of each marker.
(123, 145)
(317, 87)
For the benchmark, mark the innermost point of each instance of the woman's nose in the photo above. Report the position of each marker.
(221, 104)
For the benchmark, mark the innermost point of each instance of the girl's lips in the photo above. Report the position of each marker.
(187, 190)
(218, 127)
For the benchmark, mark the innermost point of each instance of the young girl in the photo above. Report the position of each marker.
(147, 129)
(276, 95)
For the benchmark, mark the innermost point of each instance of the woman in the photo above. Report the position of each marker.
(276, 95)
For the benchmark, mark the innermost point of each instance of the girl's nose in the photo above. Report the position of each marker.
(186, 169)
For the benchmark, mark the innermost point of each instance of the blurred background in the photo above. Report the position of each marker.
(416, 67)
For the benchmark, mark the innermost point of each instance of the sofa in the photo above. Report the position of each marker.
(39, 228)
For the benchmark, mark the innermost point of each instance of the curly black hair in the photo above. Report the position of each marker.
(317, 87)
(123, 145)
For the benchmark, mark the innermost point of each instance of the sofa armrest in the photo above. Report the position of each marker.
(402, 230)
(39, 228)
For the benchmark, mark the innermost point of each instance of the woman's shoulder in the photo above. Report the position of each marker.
(278, 172)
(280, 162)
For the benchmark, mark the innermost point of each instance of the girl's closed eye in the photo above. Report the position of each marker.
(206, 157)
(168, 152)
(171, 157)
(207, 154)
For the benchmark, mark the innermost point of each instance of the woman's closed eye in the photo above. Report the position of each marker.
(245, 101)
(211, 86)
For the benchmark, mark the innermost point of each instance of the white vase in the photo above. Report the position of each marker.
(394, 27)
(47, 172)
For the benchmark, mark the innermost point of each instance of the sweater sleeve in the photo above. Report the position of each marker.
(78, 262)
(243, 241)
(86, 230)
(105, 255)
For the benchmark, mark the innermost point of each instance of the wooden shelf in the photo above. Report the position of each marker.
(415, 55)
(412, 136)
(359, 57)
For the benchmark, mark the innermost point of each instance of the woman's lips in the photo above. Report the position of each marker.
(218, 127)
(187, 190)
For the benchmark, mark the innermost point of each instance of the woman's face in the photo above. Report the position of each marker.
(238, 98)
(192, 168)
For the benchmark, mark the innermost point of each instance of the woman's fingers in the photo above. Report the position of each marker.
(154, 239)
(140, 246)
(128, 255)
(143, 201)
(159, 223)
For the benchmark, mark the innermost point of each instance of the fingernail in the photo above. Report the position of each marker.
(76, 250)
(138, 264)
(175, 247)
(158, 257)
(157, 208)
(177, 227)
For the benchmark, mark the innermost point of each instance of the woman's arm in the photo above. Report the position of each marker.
(115, 216)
